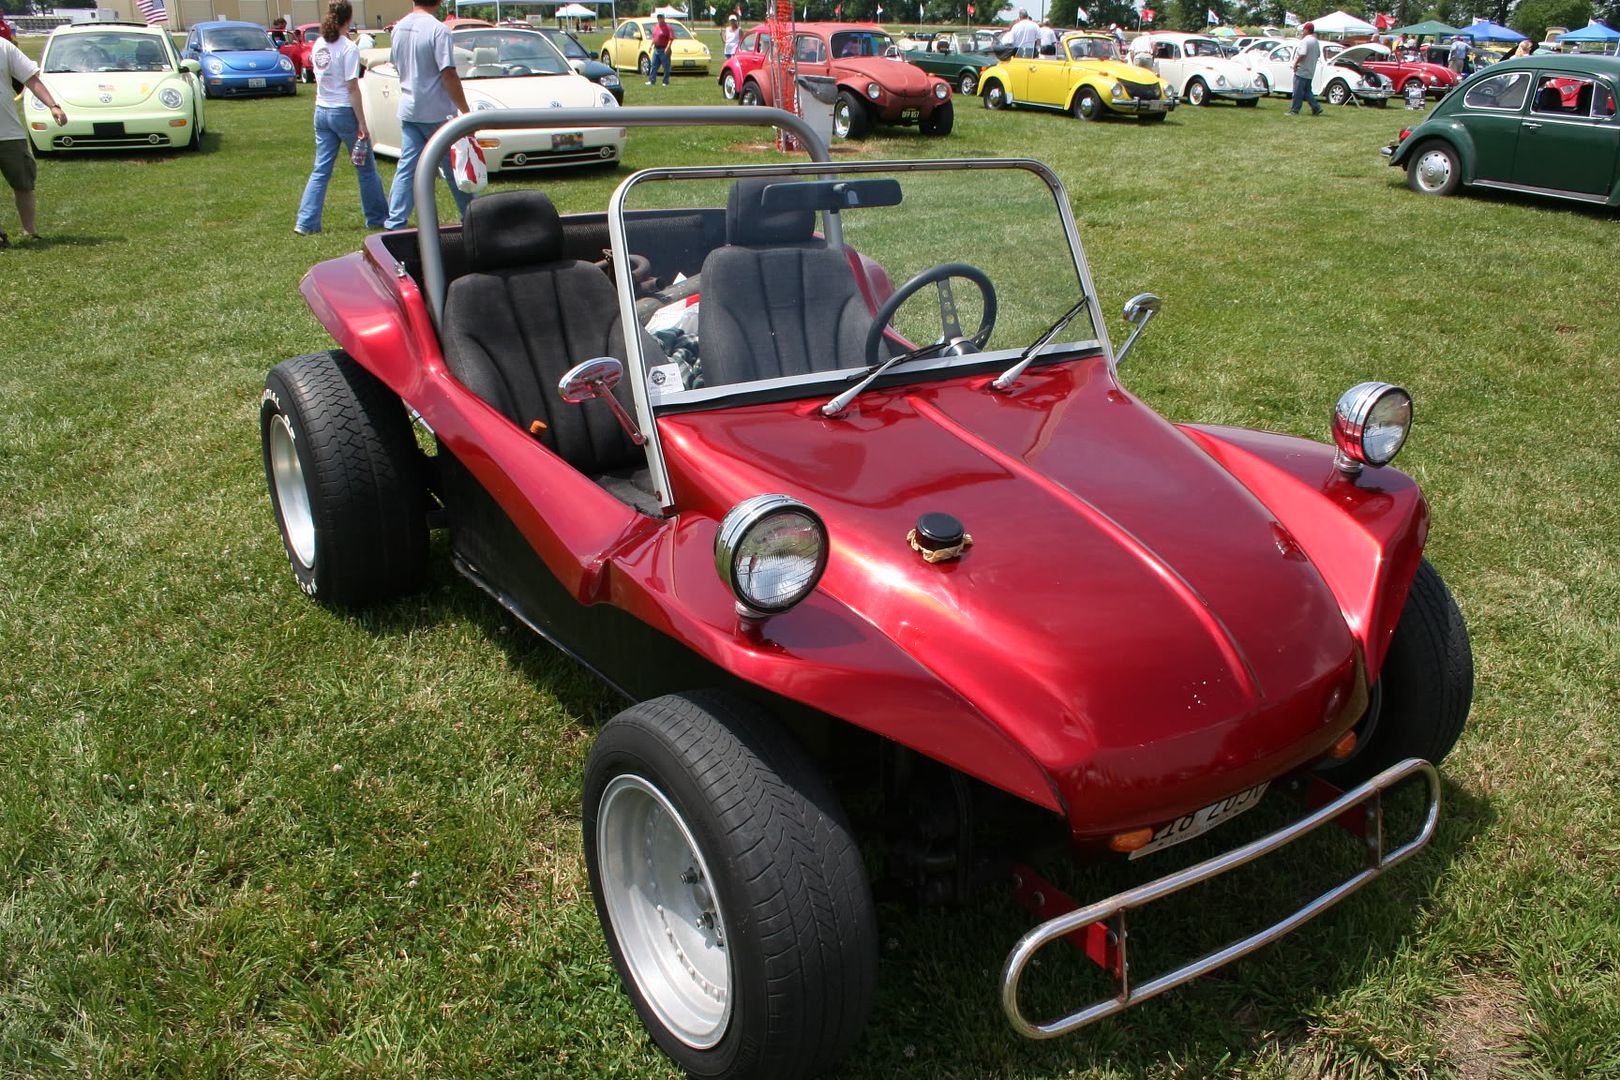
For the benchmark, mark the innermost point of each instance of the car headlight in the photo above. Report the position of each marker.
(170, 97)
(1430, 79)
(1370, 424)
(35, 103)
(941, 91)
(480, 105)
(286, 64)
(873, 90)
(607, 101)
(215, 67)
(770, 551)
(1220, 80)
(610, 79)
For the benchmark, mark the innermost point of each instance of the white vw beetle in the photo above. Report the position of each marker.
(1199, 69)
(504, 67)
(1272, 61)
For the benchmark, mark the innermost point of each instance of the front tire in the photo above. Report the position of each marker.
(940, 121)
(850, 118)
(1087, 105)
(345, 480)
(728, 86)
(1262, 82)
(1197, 93)
(1434, 169)
(1424, 690)
(731, 893)
(1337, 92)
(995, 96)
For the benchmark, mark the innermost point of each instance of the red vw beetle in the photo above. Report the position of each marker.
(875, 84)
(297, 49)
(888, 563)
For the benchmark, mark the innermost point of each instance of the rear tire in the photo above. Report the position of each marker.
(940, 121)
(1424, 690)
(729, 888)
(850, 118)
(345, 480)
(607, 58)
(644, 65)
(967, 82)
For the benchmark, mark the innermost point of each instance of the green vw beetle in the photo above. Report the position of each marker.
(1543, 124)
(948, 56)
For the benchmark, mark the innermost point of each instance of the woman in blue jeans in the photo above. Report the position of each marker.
(339, 122)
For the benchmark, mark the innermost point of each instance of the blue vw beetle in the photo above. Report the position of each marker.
(239, 58)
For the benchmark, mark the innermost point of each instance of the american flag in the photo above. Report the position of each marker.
(153, 11)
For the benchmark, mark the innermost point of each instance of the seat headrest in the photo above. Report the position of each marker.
(486, 56)
(749, 223)
(1548, 99)
(511, 228)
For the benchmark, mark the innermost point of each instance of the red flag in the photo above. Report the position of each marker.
(838, 12)
(1384, 22)
(1147, 14)
(970, 11)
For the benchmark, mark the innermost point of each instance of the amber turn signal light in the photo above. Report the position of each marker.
(1343, 747)
(1130, 841)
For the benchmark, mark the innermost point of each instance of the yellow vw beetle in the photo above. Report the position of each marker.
(630, 49)
(1086, 78)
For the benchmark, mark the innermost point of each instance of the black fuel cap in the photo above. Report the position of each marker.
(936, 531)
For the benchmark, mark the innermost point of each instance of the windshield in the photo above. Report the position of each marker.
(680, 28)
(570, 47)
(109, 51)
(1090, 49)
(499, 53)
(860, 43)
(763, 297)
(236, 39)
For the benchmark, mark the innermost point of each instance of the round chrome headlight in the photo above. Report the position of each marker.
(770, 551)
(1370, 424)
(170, 97)
(873, 90)
(941, 91)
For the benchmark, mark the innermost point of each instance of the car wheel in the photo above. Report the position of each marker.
(750, 94)
(940, 121)
(195, 142)
(345, 480)
(995, 96)
(850, 119)
(1421, 699)
(1087, 105)
(644, 65)
(1434, 169)
(967, 82)
(1406, 87)
(729, 888)
(607, 58)
(1337, 92)
(1263, 83)
(728, 86)
(1197, 93)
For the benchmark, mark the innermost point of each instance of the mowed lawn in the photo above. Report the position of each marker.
(243, 836)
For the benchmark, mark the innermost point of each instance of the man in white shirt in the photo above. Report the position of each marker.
(429, 94)
(16, 156)
(1048, 38)
(1306, 57)
(1024, 36)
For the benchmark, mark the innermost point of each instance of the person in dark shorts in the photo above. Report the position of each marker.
(16, 157)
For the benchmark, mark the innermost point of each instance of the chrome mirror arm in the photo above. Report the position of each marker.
(1139, 311)
(596, 379)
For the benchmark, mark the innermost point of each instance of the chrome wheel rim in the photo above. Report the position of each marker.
(665, 917)
(841, 121)
(1337, 94)
(969, 82)
(1433, 170)
(729, 87)
(1195, 94)
(994, 97)
(292, 497)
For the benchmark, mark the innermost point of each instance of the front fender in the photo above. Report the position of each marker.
(1364, 534)
(1448, 131)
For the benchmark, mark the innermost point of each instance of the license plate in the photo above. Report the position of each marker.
(571, 140)
(1200, 822)
(911, 114)
(255, 84)
(689, 63)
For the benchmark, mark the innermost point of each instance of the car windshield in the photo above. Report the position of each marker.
(680, 28)
(861, 43)
(501, 53)
(1091, 49)
(569, 45)
(236, 39)
(1202, 47)
(109, 51)
(761, 289)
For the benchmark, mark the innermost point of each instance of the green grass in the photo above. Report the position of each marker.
(242, 836)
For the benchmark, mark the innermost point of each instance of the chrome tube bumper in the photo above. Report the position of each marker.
(1114, 908)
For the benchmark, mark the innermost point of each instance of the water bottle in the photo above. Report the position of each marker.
(358, 154)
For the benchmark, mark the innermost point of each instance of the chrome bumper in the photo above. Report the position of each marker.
(1103, 924)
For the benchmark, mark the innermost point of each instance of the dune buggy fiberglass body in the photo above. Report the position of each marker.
(855, 510)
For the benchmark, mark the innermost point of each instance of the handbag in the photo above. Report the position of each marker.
(467, 165)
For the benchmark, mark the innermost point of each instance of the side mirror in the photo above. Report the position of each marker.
(191, 65)
(1139, 309)
(596, 379)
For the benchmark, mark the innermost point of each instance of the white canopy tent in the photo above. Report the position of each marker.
(575, 11)
(669, 12)
(1339, 22)
(584, 12)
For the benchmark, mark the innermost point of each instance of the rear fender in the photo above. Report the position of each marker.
(1364, 534)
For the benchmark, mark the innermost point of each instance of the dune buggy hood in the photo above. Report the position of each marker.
(895, 76)
(1128, 612)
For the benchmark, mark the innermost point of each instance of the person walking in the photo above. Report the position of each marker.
(1459, 54)
(340, 121)
(17, 163)
(729, 37)
(663, 36)
(1306, 57)
(429, 94)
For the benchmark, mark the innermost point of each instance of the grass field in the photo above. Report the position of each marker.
(242, 836)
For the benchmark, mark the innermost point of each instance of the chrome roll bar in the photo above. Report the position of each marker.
(427, 166)
(1115, 907)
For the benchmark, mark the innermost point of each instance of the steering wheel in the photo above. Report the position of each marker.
(515, 70)
(950, 328)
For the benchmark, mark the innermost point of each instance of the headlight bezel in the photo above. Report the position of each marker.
(747, 522)
(285, 64)
(214, 66)
(941, 91)
(874, 91)
(170, 97)
(1365, 420)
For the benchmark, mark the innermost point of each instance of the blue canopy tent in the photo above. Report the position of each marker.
(1592, 31)
(1485, 30)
